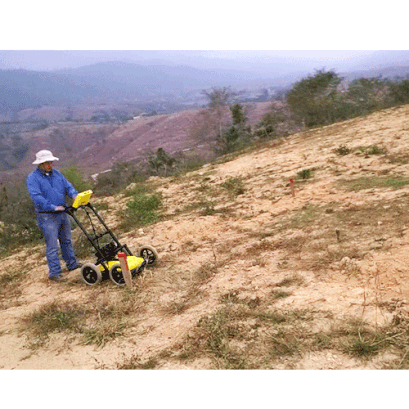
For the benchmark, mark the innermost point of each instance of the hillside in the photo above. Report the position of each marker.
(95, 147)
(116, 82)
(166, 87)
(251, 276)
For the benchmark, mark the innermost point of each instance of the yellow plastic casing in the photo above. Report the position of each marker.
(82, 199)
(133, 262)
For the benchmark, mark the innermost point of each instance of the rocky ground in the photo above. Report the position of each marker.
(291, 256)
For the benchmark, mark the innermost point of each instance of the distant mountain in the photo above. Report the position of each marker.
(384, 59)
(391, 73)
(126, 81)
(21, 89)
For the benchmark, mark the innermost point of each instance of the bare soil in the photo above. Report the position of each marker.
(252, 275)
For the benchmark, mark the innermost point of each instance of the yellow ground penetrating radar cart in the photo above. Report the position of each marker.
(107, 264)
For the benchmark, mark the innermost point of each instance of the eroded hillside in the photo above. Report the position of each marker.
(252, 274)
(97, 147)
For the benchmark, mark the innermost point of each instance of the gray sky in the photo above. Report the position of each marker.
(256, 61)
(298, 31)
(58, 59)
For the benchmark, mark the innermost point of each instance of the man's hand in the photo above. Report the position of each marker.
(59, 208)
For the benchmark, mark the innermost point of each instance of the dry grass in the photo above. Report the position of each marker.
(251, 276)
(98, 322)
(245, 335)
(11, 287)
(375, 182)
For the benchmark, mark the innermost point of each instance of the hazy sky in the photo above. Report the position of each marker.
(296, 26)
(240, 59)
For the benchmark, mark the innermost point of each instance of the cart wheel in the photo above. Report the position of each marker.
(149, 254)
(91, 274)
(115, 274)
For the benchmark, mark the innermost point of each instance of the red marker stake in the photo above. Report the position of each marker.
(292, 187)
(125, 269)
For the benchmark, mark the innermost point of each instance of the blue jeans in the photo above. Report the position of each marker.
(56, 227)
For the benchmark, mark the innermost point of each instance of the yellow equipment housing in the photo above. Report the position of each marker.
(82, 199)
(133, 263)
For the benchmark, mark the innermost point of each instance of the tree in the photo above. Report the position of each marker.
(399, 91)
(161, 160)
(219, 97)
(312, 99)
(237, 134)
(237, 114)
(367, 95)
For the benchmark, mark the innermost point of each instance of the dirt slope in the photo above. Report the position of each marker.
(250, 276)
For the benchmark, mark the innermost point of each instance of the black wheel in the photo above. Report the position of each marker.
(91, 274)
(136, 271)
(115, 274)
(149, 254)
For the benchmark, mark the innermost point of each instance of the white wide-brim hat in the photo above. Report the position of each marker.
(44, 156)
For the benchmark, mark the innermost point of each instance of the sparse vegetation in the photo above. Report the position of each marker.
(161, 162)
(10, 287)
(314, 100)
(375, 182)
(304, 174)
(18, 226)
(143, 209)
(54, 317)
(74, 175)
(324, 98)
(234, 186)
(260, 284)
(343, 150)
(95, 323)
(235, 136)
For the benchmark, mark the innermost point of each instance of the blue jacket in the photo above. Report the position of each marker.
(49, 191)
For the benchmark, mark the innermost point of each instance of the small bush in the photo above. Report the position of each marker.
(74, 175)
(304, 174)
(121, 175)
(143, 208)
(18, 225)
(342, 150)
(235, 186)
(375, 150)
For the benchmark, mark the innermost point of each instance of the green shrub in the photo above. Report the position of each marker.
(312, 99)
(232, 139)
(143, 208)
(342, 150)
(235, 136)
(235, 186)
(399, 91)
(161, 162)
(375, 150)
(121, 175)
(277, 122)
(18, 225)
(304, 174)
(77, 179)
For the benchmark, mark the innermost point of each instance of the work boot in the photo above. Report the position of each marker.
(58, 278)
(79, 265)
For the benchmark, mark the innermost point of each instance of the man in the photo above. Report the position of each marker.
(48, 189)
